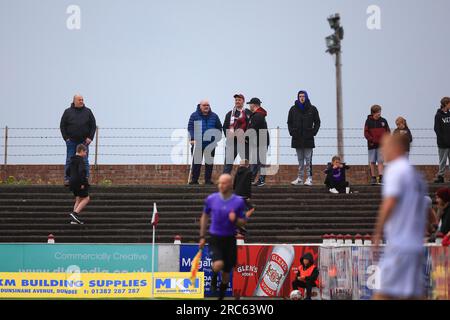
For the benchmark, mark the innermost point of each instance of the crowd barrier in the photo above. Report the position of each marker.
(113, 145)
(124, 271)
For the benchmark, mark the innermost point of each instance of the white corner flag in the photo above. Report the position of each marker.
(155, 216)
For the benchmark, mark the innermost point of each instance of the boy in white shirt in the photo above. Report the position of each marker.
(401, 219)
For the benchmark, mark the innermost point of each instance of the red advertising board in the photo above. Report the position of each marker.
(268, 270)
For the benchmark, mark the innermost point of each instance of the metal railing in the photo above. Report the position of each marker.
(166, 145)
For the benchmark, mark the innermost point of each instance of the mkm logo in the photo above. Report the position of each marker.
(177, 283)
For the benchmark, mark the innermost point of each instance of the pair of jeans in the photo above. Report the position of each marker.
(444, 154)
(232, 149)
(71, 151)
(304, 156)
(197, 159)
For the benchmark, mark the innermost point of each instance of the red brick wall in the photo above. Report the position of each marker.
(168, 174)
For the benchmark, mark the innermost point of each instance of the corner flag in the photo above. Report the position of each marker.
(155, 216)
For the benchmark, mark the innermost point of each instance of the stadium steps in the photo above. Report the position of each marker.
(121, 214)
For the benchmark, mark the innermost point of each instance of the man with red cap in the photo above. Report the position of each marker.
(234, 127)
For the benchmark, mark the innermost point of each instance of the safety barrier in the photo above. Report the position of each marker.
(171, 146)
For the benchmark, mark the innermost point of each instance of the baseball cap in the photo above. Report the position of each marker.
(239, 95)
(255, 101)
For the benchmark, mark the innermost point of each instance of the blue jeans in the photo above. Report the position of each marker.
(71, 151)
(304, 156)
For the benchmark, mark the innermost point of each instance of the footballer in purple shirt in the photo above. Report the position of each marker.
(227, 213)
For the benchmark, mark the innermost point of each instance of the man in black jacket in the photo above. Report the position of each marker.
(234, 127)
(303, 124)
(442, 129)
(77, 126)
(258, 144)
(76, 171)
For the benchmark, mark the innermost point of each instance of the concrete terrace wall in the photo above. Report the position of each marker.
(170, 174)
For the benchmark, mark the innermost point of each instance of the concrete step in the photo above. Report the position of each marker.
(190, 196)
(198, 208)
(89, 226)
(122, 214)
(186, 214)
(283, 201)
(183, 219)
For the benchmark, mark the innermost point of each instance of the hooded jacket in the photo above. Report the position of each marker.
(257, 122)
(208, 121)
(310, 269)
(303, 123)
(329, 171)
(442, 128)
(77, 124)
(242, 183)
(374, 131)
(76, 171)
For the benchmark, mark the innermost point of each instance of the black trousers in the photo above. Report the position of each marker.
(308, 285)
(197, 165)
(232, 149)
(339, 186)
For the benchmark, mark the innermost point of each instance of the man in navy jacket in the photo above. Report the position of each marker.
(205, 131)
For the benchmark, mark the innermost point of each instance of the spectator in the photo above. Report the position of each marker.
(79, 185)
(200, 121)
(335, 180)
(242, 186)
(307, 275)
(303, 124)
(432, 223)
(442, 130)
(258, 148)
(401, 220)
(242, 183)
(374, 129)
(77, 126)
(402, 128)
(234, 127)
(443, 205)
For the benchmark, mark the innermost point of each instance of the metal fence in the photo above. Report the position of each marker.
(121, 145)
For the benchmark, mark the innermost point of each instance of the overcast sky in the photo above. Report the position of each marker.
(148, 63)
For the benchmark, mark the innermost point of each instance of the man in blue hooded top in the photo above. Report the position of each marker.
(303, 124)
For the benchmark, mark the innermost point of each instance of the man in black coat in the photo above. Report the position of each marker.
(442, 130)
(303, 124)
(258, 147)
(77, 126)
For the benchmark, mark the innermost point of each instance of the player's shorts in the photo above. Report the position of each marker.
(78, 192)
(375, 156)
(224, 249)
(402, 275)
